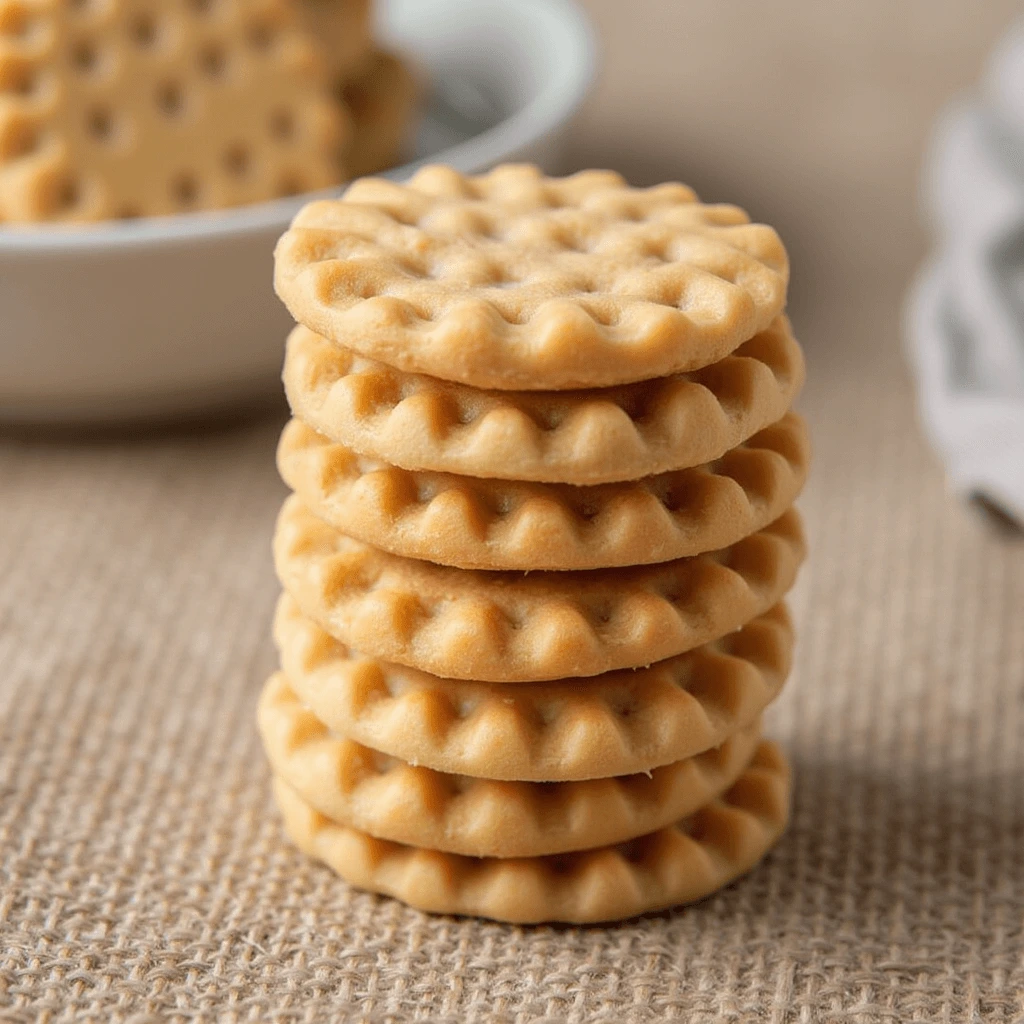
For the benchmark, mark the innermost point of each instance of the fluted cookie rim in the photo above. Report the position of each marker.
(513, 280)
(410, 804)
(579, 437)
(676, 865)
(519, 627)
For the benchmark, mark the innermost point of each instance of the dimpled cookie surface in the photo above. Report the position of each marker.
(515, 627)
(620, 723)
(514, 280)
(504, 524)
(601, 435)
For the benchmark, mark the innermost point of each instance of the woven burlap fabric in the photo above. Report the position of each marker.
(144, 875)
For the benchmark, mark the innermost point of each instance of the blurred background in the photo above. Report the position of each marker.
(815, 117)
(822, 119)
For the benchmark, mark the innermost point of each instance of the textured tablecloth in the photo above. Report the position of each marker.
(144, 875)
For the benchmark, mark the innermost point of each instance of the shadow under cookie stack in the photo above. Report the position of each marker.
(544, 465)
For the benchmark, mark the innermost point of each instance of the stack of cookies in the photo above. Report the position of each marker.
(126, 109)
(534, 564)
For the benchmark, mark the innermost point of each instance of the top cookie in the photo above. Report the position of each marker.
(512, 280)
(124, 109)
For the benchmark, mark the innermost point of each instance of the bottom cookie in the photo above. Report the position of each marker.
(675, 865)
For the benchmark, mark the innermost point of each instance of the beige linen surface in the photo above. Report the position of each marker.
(144, 875)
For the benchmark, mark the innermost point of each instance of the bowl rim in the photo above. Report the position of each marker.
(570, 80)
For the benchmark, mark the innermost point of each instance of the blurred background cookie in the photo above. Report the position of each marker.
(136, 109)
(381, 98)
(343, 28)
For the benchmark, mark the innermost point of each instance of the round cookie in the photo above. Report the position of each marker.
(358, 787)
(490, 524)
(514, 627)
(677, 864)
(511, 280)
(581, 437)
(620, 723)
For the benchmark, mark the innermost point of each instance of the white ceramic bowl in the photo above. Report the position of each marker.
(158, 317)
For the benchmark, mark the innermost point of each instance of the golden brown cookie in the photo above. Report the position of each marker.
(677, 864)
(511, 280)
(343, 30)
(499, 524)
(586, 437)
(358, 787)
(513, 627)
(121, 109)
(381, 99)
(620, 723)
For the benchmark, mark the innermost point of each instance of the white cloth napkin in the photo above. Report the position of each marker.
(966, 313)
